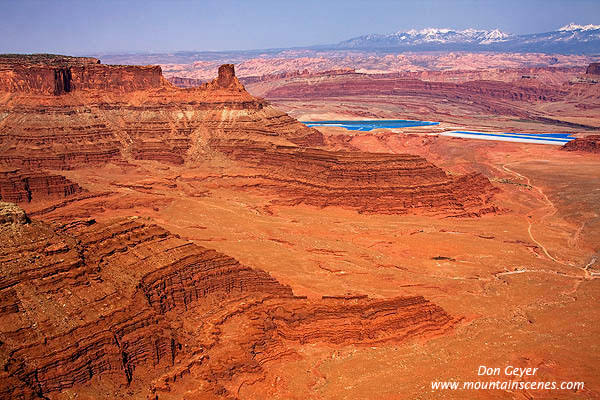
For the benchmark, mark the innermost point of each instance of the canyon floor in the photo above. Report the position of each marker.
(497, 265)
(523, 281)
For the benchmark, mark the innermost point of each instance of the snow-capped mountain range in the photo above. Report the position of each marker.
(570, 38)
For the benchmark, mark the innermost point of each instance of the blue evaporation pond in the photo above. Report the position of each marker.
(553, 137)
(367, 125)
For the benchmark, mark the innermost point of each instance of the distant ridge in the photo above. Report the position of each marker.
(569, 39)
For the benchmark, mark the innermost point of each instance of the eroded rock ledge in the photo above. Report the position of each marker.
(125, 308)
(588, 144)
(22, 186)
(368, 182)
(115, 114)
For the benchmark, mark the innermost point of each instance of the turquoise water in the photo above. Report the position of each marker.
(367, 125)
(556, 138)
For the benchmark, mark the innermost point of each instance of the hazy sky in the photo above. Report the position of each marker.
(94, 26)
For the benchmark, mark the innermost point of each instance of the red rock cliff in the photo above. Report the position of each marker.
(20, 186)
(59, 75)
(63, 113)
(588, 144)
(125, 308)
(178, 126)
(593, 69)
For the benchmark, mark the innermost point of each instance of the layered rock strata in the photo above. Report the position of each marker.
(20, 186)
(398, 85)
(57, 75)
(122, 308)
(103, 114)
(367, 182)
(593, 69)
(96, 124)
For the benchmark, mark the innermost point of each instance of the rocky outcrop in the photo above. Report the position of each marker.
(20, 186)
(11, 214)
(110, 113)
(482, 95)
(58, 75)
(179, 126)
(124, 308)
(593, 69)
(274, 326)
(367, 182)
(588, 144)
(100, 297)
(226, 76)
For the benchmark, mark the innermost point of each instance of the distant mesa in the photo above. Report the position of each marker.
(185, 83)
(593, 69)
(133, 113)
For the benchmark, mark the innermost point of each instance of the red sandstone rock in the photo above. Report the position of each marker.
(110, 113)
(176, 126)
(588, 144)
(135, 305)
(593, 69)
(59, 75)
(368, 182)
(24, 186)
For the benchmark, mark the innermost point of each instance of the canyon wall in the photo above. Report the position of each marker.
(101, 119)
(18, 186)
(110, 113)
(124, 307)
(367, 182)
(593, 69)
(58, 75)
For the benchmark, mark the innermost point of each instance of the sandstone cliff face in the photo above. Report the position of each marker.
(61, 80)
(110, 113)
(125, 307)
(58, 75)
(588, 144)
(20, 186)
(102, 117)
(367, 182)
(593, 69)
